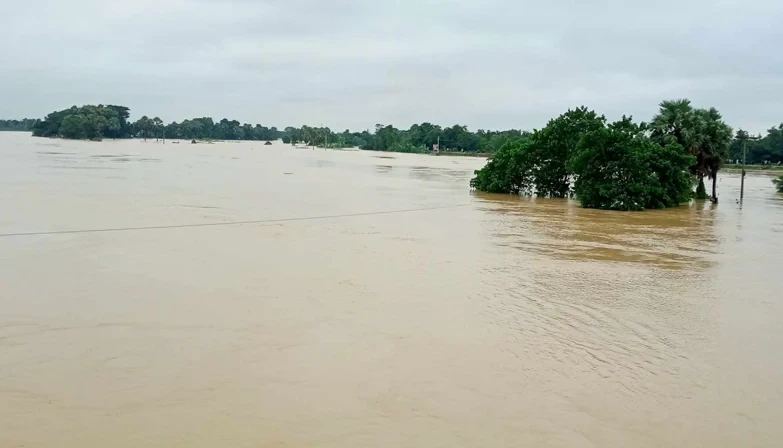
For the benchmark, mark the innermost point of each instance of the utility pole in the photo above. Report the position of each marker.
(742, 182)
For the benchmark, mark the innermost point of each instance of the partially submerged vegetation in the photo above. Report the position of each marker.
(616, 166)
(86, 123)
(779, 183)
(98, 122)
(24, 125)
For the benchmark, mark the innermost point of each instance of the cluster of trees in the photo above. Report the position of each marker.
(419, 138)
(206, 128)
(97, 122)
(758, 150)
(25, 124)
(619, 166)
(86, 122)
(422, 137)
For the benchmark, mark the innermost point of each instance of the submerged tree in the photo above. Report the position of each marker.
(701, 132)
(538, 163)
(676, 122)
(85, 122)
(509, 171)
(552, 147)
(779, 183)
(713, 150)
(618, 167)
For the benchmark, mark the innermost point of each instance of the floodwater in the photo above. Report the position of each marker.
(371, 299)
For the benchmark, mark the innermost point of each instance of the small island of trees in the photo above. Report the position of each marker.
(616, 166)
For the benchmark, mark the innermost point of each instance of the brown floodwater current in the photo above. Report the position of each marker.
(372, 299)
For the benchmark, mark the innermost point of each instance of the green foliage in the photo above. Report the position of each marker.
(509, 171)
(424, 136)
(779, 183)
(759, 150)
(420, 138)
(701, 132)
(73, 126)
(538, 163)
(23, 125)
(553, 146)
(618, 167)
(675, 123)
(714, 142)
(86, 122)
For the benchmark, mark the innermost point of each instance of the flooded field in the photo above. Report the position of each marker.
(370, 299)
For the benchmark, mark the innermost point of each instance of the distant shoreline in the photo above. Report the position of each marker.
(736, 169)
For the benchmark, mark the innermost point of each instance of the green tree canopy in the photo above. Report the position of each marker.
(759, 149)
(25, 124)
(618, 167)
(553, 146)
(701, 132)
(85, 122)
(509, 171)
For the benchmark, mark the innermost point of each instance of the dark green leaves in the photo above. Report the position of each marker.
(553, 146)
(86, 122)
(619, 168)
(538, 163)
(25, 124)
(509, 171)
(615, 166)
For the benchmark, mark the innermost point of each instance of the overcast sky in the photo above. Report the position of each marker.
(354, 63)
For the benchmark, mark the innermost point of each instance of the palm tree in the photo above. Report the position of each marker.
(714, 145)
(677, 122)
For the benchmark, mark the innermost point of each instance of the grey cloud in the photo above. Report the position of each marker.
(354, 63)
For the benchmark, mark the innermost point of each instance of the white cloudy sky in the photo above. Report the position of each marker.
(354, 63)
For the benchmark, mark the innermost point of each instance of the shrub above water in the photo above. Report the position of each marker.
(779, 183)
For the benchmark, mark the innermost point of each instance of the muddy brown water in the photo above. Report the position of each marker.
(374, 301)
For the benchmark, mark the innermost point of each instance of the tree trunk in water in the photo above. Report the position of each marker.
(701, 191)
(714, 191)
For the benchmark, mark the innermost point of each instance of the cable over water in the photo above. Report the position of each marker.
(226, 223)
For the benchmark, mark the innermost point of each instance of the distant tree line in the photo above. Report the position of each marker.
(23, 125)
(759, 150)
(620, 166)
(98, 122)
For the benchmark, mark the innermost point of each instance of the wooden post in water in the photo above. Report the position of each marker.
(742, 182)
